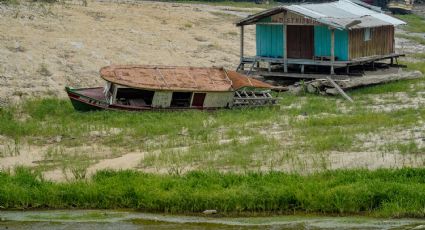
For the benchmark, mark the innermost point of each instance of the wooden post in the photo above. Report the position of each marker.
(332, 51)
(242, 31)
(285, 53)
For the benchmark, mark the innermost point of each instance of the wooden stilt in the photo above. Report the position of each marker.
(242, 48)
(332, 51)
(285, 53)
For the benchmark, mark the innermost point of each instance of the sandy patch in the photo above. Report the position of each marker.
(396, 101)
(26, 156)
(373, 160)
(69, 43)
(127, 161)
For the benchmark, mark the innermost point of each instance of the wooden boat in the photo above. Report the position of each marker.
(400, 6)
(141, 88)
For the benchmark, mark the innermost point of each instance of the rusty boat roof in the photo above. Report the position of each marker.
(173, 78)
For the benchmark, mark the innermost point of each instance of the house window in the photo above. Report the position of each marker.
(181, 99)
(367, 34)
(134, 97)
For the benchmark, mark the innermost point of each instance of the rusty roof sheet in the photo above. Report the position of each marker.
(241, 81)
(178, 78)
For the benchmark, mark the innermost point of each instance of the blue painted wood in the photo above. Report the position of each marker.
(322, 43)
(269, 40)
(341, 44)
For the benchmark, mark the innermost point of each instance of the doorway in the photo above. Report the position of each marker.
(198, 99)
(300, 41)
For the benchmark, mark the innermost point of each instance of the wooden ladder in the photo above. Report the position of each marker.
(251, 98)
(242, 65)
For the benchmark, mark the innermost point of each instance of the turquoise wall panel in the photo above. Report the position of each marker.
(341, 44)
(322, 42)
(269, 40)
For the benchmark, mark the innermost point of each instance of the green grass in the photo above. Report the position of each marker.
(415, 38)
(299, 132)
(404, 148)
(418, 55)
(9, 2)
(415, 23)
(384, 192)
(230, 140)
(416, 66)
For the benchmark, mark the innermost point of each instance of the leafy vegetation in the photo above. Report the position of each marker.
(385, 192)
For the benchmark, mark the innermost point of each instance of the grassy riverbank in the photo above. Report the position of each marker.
(306, 133)
(385, 193)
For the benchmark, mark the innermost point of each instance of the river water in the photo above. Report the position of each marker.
(127, 220)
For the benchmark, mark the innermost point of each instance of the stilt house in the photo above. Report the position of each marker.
(336, 34)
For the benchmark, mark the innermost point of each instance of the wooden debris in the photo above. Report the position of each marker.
(339, 90)
(379, 79)
(331, 86)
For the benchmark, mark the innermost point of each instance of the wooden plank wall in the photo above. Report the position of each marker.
(381, 43)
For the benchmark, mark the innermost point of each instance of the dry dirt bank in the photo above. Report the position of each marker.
(45, 47)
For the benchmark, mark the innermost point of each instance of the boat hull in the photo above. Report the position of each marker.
(92, 99)
(397, 8)
(82, 102)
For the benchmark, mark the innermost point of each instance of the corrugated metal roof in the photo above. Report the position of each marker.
(178, 78)
(337, 14)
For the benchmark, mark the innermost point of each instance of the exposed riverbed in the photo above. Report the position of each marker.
(106, 219)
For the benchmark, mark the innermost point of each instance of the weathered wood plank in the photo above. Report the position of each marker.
(299, 75)
(340, 90)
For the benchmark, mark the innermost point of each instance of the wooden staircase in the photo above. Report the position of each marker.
(253, 99)
(241, 66)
